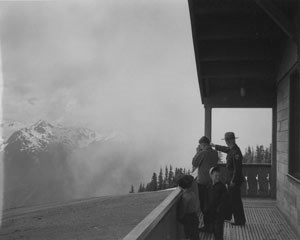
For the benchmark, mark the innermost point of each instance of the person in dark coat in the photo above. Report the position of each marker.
(205, 159)
(217, 203)
(188, 208)
(235, 176)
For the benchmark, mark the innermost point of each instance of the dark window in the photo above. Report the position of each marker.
(294, 130)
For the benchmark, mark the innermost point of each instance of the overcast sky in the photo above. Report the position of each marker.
(124, 65)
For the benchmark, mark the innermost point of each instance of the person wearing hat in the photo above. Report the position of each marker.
(217, 203)
(188, 207)
(205, 158)
(235, 176)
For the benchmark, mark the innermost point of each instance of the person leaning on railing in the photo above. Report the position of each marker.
(234, 166)
(188, 208)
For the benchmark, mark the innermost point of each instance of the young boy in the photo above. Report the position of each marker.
(188, 208)
(217, 203)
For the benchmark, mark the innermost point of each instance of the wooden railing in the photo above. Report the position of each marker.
(258, 180)
(161, 223)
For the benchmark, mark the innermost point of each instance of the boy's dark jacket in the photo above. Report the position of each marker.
(218, 200)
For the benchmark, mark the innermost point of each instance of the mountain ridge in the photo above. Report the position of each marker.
(38, 136)
(44, 163)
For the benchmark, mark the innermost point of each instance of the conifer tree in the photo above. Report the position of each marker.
(166, 183)
(141, 188)
(248, 155)
(160, 180)
(153, 183)
(268, 154)
(171, 177)
(131, 189)
(252, 155)
(259, 154)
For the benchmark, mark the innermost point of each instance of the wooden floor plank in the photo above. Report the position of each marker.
(264, 222)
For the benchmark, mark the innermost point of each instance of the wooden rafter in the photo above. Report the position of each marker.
(278, 17)
(242, 69)
(235, 50)
(236, 27)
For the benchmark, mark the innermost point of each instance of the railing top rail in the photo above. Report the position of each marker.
(151, 220)
(250, 164)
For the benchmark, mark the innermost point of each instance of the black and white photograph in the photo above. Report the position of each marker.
(150, 120)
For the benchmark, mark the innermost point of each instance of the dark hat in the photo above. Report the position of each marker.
(204, 139)
(229, 135)
(186, 181)
(217, 169)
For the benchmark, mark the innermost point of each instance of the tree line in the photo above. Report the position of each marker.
(260, 154)
(162, 180)
(167, 178)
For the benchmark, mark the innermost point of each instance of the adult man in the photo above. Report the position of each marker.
(205, 159)
(235, 176)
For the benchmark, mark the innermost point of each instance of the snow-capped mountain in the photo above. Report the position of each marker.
(45, 163)
(7, 127)
(38, 136)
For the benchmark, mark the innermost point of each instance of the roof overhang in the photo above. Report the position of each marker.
(238, 46)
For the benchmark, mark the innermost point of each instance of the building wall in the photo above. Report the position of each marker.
(288, 190)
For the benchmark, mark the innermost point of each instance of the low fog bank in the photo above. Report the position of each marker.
(108, 168)
(61, 174)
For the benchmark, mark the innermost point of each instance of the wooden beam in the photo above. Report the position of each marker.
(249, 83)
(236, 27)
(234, 69)
(236, 50)
(195, 42)
(225, 9)
(278, 17)
(231, 98)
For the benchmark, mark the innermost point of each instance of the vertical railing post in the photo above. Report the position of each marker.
(247, 185)
(269, 185)
(257, 185)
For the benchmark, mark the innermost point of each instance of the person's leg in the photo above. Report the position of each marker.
(202, 195)
(208, 222)
(190, 225)
(194, 224)
(237, 205)
(218, 227)
(202, 189)
(187, 226)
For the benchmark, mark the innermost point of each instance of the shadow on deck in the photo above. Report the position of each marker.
(264, 221)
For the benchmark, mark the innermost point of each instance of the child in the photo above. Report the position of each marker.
(188, 208)
(217, 203)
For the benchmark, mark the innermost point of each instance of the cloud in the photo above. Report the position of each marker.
(32, 100)
(126, 65)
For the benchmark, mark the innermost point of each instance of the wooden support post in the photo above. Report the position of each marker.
(207, 123)
(274, 154)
